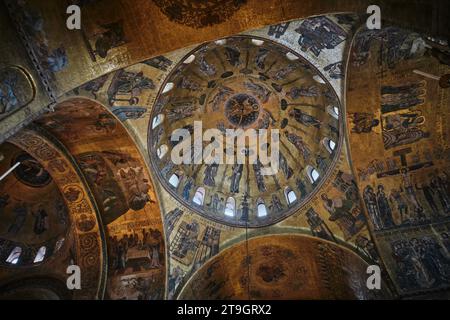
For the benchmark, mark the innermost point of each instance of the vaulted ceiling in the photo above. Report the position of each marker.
(363, 152)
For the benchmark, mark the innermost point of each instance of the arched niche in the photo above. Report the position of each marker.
(282, 267)
(117, 175)
(398, 128)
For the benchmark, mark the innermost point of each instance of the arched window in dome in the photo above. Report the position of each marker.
(169, 86)
(162, 150)
(261, 209)
(40, 255)
(157, 120)
(291, 197)
(312, 173)
(333, 111)
(174, 180)
(189, 59)
(291, 56)
(220, 42)
(329, 144)
(230, 207)
(14, 256)
(336, 110)
(199, 196)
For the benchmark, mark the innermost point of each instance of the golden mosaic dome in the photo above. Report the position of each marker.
(243, 83)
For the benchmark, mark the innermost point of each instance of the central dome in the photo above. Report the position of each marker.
(237, 84)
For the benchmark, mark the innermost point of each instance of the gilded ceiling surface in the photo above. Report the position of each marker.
(362, 117)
